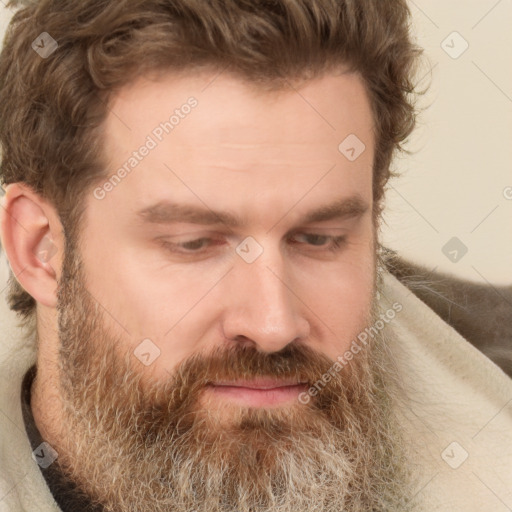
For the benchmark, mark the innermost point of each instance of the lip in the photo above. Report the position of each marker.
(260, 383)
(260, 392)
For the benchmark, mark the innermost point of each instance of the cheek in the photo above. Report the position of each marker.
(168, 306)
(138, 303)
(344, 309)
(341, 299)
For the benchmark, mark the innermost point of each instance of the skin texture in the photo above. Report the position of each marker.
(269, 159)
(223, 158)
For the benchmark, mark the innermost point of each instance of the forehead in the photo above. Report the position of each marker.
(234, 133)
(232, 111)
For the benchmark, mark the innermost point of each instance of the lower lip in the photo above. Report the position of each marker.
(259, 397)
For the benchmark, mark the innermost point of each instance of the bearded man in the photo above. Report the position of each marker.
(193, 197)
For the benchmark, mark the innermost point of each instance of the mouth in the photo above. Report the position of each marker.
(260, 392)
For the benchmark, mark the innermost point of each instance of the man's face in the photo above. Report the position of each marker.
(174, 276)
(205, 412)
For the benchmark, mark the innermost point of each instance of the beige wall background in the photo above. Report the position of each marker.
(458, 181)
(451, 209)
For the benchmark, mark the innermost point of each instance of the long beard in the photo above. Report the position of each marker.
(136, 445)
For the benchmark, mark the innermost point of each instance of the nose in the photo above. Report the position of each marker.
(263, 308)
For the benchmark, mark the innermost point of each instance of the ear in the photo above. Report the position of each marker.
(33, 240)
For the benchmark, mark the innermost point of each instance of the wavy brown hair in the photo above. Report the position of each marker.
(52, 109)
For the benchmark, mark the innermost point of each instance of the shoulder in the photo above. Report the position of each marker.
(481, 313)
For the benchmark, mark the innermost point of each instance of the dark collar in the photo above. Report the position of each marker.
(64, 491)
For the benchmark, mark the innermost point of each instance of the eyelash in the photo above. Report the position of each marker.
(336, 244)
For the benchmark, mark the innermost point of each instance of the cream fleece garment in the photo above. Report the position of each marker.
(458, 413)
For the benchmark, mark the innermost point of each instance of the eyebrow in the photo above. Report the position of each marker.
(167, 212)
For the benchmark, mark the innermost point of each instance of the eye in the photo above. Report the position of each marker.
(329, 242)
(195, 246)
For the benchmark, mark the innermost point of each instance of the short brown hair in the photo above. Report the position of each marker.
(52, 109)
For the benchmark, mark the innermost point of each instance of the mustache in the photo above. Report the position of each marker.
(295, 362)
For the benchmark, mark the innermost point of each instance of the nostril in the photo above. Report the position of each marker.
(244, 341)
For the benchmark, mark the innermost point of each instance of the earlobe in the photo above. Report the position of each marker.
(32, 239)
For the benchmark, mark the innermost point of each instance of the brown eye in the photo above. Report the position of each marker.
(196, 245)
(316, 240)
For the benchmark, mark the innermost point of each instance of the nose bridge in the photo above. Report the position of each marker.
(273, 294)
(263, 307)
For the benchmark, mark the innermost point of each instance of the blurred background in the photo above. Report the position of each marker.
(451, 208)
